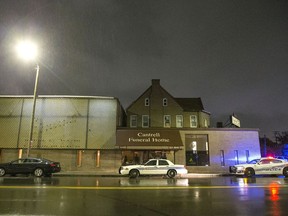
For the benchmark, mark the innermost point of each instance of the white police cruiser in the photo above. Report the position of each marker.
(153, 167)
(263, 166)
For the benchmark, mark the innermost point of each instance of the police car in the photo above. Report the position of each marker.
(263, 166)
(153, 167)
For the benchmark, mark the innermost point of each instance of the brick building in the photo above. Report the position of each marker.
(159, 125)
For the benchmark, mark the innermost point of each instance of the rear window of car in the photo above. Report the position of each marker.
(276, 161)
(163, 163)
(265, 161)
(31, 160)
(268, 161)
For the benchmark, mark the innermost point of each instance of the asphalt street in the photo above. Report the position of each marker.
(92, 195)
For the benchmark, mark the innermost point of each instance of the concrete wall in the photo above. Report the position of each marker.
(60, 122)
(227, 140)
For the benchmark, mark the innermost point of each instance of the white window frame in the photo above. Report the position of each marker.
(165, 102)
(179, 121)
(205, 123)
(147, 102)
(193, 121)
(145, 121)
(133, 118)
(167, 121)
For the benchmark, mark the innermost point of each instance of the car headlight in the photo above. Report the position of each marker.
(240, 168)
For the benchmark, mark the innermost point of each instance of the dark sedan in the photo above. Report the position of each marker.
(36, 166)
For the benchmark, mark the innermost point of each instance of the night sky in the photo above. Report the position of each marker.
(231, 53)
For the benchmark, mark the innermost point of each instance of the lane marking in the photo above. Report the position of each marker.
(139, 187)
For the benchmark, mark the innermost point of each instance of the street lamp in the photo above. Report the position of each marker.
(27, 51)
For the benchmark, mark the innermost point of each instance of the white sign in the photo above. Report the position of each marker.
(235, 121)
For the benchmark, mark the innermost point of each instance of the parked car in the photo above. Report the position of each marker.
(265, 166)
(36, 166)
(153, 167)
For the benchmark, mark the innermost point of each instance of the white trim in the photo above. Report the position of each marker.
(147, 102)
(193, 121)
(145, 116)
(131, 118)
(179, 117)
(168, 122)
(165, 102)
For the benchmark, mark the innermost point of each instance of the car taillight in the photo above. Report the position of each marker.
(53, 165)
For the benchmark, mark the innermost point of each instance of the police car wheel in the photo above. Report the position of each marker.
(134, 173)
(171, 173)
(285, 171)
(249, 172)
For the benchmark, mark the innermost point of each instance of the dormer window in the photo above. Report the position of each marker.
(147, 102)
(165, 102)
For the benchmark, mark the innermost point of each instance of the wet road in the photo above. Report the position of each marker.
(143, 196)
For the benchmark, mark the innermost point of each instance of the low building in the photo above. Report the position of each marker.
(96, 134)
(160, 125)
(77, 131)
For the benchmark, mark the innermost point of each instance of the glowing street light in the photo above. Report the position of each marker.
(27, 51)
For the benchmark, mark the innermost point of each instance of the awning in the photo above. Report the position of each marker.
(148, 139)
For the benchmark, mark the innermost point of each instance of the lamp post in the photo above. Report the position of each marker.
(28, 51)
(33, 111)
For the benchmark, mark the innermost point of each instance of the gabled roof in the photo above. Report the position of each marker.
(155, 83)
(190, 104)
(187, 104)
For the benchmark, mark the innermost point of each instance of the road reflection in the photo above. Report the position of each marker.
(259, 181)
(96, 181)
(157, 182)
(27, 181)
(274, 191)
(273, 196)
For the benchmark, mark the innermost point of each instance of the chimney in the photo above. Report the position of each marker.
(219, 125)
(155, 82)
